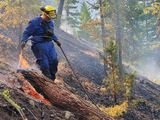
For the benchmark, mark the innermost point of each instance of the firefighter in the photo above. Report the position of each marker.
(41, 32)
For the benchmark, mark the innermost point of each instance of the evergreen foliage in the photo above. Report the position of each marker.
(72, 13)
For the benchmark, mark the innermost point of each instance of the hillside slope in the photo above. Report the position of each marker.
(85, 61)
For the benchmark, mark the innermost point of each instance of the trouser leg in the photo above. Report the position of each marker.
(53, 68)
(40, 52)
(44, 67)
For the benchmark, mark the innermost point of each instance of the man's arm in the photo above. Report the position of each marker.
(27, 33)
(54, 37)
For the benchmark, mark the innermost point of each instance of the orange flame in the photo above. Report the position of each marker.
(23, 62)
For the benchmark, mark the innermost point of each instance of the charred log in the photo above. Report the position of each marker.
(60, 96)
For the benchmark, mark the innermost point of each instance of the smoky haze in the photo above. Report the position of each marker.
(150, 68)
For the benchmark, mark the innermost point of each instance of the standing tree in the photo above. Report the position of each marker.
(59, 13)
(85, 16)
(72, 13)
(119, 39)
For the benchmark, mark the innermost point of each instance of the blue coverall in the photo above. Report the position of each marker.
(42, 47)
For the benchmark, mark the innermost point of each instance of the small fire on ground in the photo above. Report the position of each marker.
(23, 64)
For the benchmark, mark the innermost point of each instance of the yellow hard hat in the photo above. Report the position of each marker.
(50, 11)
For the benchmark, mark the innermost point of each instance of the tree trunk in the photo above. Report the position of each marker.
(20, 24)
(103, 32)
(59, 13)
(60, 96)
(119, 39)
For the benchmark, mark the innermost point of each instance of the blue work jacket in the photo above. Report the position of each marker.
(36, 30)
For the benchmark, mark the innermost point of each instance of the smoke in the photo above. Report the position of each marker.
(65, 24)
(66, 27)
(149, 67)
(50, 2)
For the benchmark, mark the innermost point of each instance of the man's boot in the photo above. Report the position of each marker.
(47, 73)
(53, 69)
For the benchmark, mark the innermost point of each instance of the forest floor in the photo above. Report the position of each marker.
(89, 69)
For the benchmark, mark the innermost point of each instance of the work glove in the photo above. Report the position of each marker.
(23, 44)
(58, 43)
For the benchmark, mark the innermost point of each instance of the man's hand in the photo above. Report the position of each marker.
(58, 43)
(23, 44)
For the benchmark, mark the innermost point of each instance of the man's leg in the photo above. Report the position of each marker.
(44, 67)
(46, 72)
(53, 61)
(42, 60)
(53, 68)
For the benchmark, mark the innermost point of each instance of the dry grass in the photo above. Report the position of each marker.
(117, 110)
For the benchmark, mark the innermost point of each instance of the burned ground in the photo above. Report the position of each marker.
(86, 63)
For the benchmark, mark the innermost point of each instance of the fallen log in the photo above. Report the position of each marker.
(60, 96)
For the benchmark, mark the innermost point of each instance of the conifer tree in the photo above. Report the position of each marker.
(72, 12)
(85, 16)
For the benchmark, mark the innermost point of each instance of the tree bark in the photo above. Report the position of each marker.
(119, 39)
(59, 13)
(103, 33)
(60, 96)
